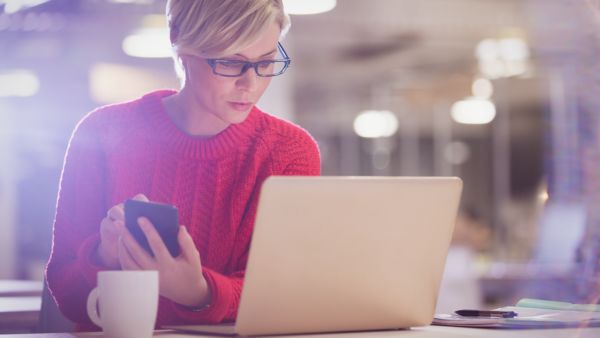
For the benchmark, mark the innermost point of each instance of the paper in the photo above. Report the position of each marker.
(554, 305)
(456, 320)
(526, 318)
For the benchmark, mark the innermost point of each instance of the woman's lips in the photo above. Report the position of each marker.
(240, 106)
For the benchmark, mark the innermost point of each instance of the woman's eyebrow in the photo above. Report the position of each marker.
(265, 54)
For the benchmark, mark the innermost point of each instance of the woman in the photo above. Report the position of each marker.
(206, 149)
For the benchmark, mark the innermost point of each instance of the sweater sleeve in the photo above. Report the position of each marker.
(304, 158)
(226, 291)
(295, 153)
(71, 270)
(296, 156)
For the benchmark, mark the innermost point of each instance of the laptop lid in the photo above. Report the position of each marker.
(346, 254)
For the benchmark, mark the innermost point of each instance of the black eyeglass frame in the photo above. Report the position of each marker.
(247, 64)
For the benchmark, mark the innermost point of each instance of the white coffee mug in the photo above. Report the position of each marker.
(125, 303)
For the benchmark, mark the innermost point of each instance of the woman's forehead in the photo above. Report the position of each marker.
(264, 45)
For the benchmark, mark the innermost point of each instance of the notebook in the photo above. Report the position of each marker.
(333, 254)
(531, 314)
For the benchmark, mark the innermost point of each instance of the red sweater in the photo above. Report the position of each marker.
(121, 150)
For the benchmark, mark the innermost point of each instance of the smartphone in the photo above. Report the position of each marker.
(164, 217)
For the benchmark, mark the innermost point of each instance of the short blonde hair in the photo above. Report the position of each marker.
(216, 28)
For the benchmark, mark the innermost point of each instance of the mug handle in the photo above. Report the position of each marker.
(92, 307)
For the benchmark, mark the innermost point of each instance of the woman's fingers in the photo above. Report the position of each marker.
(188, 248)
(158, 247)
(137, 252)
(112, 228)
(108, 229)
(184, 282)
(116, 213)
(125, 259)
(108, 251)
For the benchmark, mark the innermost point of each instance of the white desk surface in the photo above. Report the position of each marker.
(19, 312)
(20, 288)
(422, 332)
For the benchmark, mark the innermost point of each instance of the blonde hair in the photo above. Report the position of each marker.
(216, 28)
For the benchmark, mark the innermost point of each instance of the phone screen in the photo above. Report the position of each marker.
(164, 217)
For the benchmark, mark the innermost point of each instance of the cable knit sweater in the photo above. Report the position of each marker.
(121, 150)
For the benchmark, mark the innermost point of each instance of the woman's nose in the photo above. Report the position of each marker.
(247, 80)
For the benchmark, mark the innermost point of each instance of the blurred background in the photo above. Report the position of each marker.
(497, 92)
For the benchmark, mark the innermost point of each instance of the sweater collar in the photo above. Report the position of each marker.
(215, 146)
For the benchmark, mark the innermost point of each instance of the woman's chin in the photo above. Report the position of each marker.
(235, 116)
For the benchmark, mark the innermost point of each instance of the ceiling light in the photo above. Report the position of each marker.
(18, 83)
(487, 49)
(543, 196)
(503, 57)
(148, 43)
(150, 40)
(13, 6)
(473, 110)
(300, 7)
(482, 88)
(376, 123)
(513, 49)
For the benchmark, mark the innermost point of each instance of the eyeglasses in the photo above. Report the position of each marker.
(263, 68)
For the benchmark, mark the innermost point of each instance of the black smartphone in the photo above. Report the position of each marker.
(164, 217)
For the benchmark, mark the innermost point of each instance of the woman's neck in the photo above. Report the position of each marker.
(188, 115)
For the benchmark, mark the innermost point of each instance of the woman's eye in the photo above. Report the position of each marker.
(265, 64)
(232, 64)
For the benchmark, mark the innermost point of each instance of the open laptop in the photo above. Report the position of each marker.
(332, 254)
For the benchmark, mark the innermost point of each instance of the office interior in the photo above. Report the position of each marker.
(501, 93)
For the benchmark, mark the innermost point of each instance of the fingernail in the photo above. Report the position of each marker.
(141, 197)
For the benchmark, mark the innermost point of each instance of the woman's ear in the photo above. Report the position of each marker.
(180, 68)
(183, 60)
(186, 62)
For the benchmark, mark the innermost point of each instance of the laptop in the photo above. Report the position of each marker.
(339, 254)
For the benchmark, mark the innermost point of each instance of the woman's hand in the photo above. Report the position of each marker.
(181, 278)
(111, 228)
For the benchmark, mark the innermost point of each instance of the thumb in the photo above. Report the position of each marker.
(141, 197)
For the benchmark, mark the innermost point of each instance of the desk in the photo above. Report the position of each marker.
(19, 313)
(421, 332)
(20, 288)
(20, 302)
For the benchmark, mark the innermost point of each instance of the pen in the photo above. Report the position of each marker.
(485, 313)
